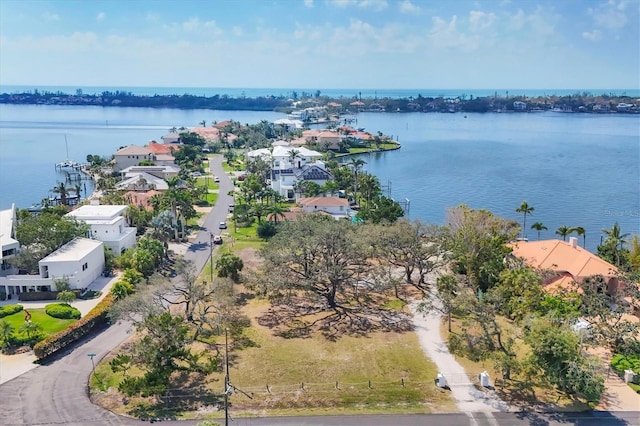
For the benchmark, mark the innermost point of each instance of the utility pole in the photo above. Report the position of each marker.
(226, 377)
(211, 257)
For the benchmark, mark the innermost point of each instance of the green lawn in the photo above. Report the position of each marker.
(204, 180)
(49, 324)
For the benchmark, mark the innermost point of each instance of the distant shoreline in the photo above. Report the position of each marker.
(579, 102)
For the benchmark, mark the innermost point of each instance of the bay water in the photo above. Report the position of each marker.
(574, 169)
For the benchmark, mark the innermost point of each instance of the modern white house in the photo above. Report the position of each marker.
(80, 261)
(142, 181)
(284, 181)
(283, 157)
(335, 206)
(9, 246)
(162, 171)
(107, 225)
(131, 156)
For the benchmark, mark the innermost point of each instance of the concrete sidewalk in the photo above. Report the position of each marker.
(12, 366)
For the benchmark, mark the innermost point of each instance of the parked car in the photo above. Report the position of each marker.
(231, 207)
(217, 239)
(216, 179)
(223, 225)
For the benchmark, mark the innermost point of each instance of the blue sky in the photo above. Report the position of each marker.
(322, 43)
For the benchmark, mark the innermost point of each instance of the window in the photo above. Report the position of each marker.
(85, 266)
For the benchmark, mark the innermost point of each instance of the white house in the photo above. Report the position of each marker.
(284, 181)
(9, 246)
(519, 106)
(336, 207)
(81, 261)
(107, 225)
(141, 181)
(131, 156)
(163, 172)
(282, 157)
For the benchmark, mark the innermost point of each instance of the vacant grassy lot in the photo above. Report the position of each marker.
(380, 372)
(49, 324)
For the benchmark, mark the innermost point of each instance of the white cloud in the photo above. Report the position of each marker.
(479, 20)
(152, 17)
(445, 35)
(609, 15)
(407, 7)
(594, 35)
(376, 5)
(100, 16)
(237, 31)
(308, 3)
(48, 16)
(344, 3)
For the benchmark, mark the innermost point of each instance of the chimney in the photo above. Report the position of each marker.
(573, 241)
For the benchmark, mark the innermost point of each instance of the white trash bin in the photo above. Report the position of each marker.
(441, 381)
(484, 379)
(628, 376)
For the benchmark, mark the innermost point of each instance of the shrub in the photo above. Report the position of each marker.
(621, 363)
(9, 310)
(62, 311)
(95, 318)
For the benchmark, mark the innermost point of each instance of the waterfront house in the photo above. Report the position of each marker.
(329, 139)
(519, 106)
(569, 262)
(107, 224)
(9, 245)
(131, 156)
(284, 181)
(80, 261)
(337, 207)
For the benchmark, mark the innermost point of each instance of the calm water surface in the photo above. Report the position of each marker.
(574, 169)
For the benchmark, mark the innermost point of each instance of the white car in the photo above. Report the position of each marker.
(223, 225)
(216, 179)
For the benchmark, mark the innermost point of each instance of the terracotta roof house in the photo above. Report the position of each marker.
(570, 262)
(160, 148)
(142, 199)
(223, 124)
(211, 134)
(338, 208)
(131, 156)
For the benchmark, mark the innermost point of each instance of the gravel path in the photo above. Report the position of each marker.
(468, 397)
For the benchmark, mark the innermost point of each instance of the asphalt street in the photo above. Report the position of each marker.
(56, 393)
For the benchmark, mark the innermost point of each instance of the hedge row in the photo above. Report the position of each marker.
(7, 310)
(62, 311)
(96, 317)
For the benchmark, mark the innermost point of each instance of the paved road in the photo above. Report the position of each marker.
(57, 393)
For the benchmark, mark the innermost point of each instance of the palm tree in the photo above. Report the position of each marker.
(580, 231)
(615, 240)
(614, 236)
(538, 226)
(563, 231)
(63, 191)
(293, 154)
(525, 209)
(276, 211)
(356, 164)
